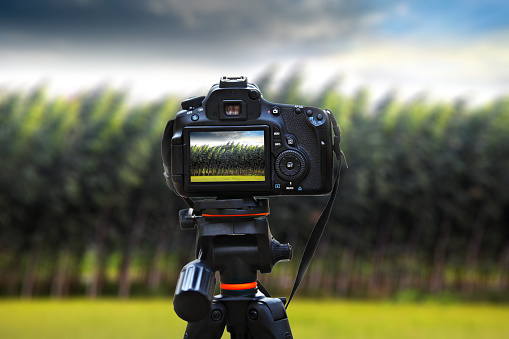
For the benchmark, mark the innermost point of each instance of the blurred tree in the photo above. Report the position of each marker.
(423, 205)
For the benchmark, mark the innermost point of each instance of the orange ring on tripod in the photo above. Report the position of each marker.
(239, 287)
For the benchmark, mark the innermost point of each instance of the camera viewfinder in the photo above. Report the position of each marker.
(232, 109)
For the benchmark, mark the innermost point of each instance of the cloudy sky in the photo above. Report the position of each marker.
(445, 48)
(251, 138)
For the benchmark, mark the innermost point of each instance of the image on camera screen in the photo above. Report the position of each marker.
(227, 156)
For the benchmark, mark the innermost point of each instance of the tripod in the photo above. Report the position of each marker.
(232, 237)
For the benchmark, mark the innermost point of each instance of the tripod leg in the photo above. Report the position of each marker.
(267, 319)
(210, 327)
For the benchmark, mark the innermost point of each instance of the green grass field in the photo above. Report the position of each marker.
(226, 178)
(107, 319)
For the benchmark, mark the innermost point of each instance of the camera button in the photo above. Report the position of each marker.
(195, 117)
(253, 94)
(309, 112)
(275, 110)
(277, 145)
(298, 110)
(290, 140)
(319, 116)
(276, 132)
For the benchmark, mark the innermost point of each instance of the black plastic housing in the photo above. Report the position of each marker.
(298, 146)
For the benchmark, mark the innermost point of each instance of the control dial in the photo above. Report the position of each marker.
(290, 165)
(192, 103)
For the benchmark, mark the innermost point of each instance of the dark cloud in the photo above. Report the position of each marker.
(189, 23)
(154, 43)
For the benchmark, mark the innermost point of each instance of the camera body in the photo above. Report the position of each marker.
(233, 143)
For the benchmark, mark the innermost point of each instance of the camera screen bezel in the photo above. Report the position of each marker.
(236, 187)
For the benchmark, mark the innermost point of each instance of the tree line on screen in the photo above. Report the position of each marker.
(227, 160)
(422, 209)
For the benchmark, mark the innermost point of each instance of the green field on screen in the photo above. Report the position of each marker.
(227, 178)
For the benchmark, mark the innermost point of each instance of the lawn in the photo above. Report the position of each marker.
(138, 319)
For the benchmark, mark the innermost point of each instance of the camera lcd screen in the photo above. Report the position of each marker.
(227, 156)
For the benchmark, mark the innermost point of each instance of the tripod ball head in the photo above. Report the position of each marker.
(195, 290)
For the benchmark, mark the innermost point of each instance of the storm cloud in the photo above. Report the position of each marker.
(453, 47)
(216, 25)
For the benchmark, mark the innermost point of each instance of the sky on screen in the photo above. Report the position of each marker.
(251, 138)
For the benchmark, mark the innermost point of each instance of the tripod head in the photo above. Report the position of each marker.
(232, 238)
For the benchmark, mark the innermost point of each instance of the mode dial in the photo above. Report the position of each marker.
(192, 103)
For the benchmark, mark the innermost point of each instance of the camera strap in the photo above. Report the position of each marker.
(317, 232)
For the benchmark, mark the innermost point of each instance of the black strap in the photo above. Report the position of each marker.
(316, 233)
(189, 202)
(314, 237)
(262, 289)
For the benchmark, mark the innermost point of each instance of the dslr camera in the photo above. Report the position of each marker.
(234, 144)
